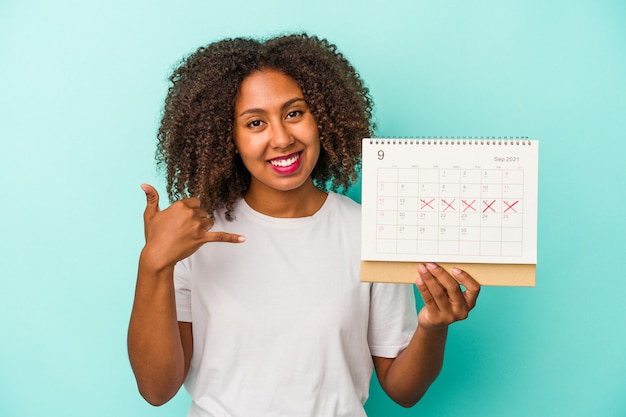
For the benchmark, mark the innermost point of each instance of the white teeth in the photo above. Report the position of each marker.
(284, 162)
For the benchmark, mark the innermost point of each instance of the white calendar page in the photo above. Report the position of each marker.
(450, 200)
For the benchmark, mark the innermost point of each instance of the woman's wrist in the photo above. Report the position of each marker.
(151, 262)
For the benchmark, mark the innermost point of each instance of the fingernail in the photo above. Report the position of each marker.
(422, 268)
(456, 271)
(431, 265)
(419, 281)
(241, 239)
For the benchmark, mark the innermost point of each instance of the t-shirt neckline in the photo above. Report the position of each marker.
(288, 220)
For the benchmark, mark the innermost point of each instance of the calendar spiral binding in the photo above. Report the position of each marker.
(453, 140)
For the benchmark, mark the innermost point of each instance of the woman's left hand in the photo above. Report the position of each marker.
(444, 300)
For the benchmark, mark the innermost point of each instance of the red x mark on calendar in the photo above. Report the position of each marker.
(427, 204)
(468, 206)
(488, 206)
(448, 205)
(510, 206)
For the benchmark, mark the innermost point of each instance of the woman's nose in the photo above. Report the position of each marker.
(281, 137)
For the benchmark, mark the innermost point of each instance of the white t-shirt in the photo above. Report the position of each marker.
(282, 325)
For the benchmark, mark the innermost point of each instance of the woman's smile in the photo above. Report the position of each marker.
(286, 164)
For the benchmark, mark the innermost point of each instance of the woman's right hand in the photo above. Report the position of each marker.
(178, 231)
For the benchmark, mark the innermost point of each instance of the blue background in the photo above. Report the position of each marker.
(82, 88)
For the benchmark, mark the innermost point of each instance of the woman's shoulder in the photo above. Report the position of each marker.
(225, 216)
(344, 204)
(344, 200)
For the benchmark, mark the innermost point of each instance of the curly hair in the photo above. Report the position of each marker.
(195, 138)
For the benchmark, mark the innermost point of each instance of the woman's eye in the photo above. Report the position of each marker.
(294, 113)
(255, 123)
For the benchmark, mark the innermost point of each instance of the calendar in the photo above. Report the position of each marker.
(450, 200)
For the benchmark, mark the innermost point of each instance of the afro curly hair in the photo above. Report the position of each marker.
(195, 137)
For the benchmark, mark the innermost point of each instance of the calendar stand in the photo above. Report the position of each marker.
(522, 275)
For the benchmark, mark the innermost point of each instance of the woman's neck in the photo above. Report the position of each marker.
(304, 201)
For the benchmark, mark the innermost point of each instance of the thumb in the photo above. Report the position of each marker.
(152, 200)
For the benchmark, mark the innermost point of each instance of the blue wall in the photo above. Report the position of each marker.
(82, 87)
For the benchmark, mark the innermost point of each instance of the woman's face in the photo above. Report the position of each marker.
(275, 132)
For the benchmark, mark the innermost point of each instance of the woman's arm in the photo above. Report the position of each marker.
(407, 377)
(159, 347)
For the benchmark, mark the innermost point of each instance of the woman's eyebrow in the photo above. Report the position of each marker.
(292, 101)
(283, 107)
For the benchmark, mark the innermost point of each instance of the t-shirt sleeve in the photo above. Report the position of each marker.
(182, 287)
(393, 319)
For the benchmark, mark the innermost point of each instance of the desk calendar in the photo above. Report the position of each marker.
(465, 202)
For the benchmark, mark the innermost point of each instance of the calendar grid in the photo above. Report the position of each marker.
(425, 211)
(450, 201)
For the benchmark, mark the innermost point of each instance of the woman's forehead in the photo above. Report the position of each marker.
(266, 89)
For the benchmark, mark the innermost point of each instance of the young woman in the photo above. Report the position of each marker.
(248, 288)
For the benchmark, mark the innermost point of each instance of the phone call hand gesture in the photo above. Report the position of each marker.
(178, 231)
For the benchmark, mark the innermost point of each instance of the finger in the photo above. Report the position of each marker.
(201, 213)
(206, 223)
(425, 281)
(152, 200)
(472, 287)
(224, 237)
(452, 288)
(192, 202)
